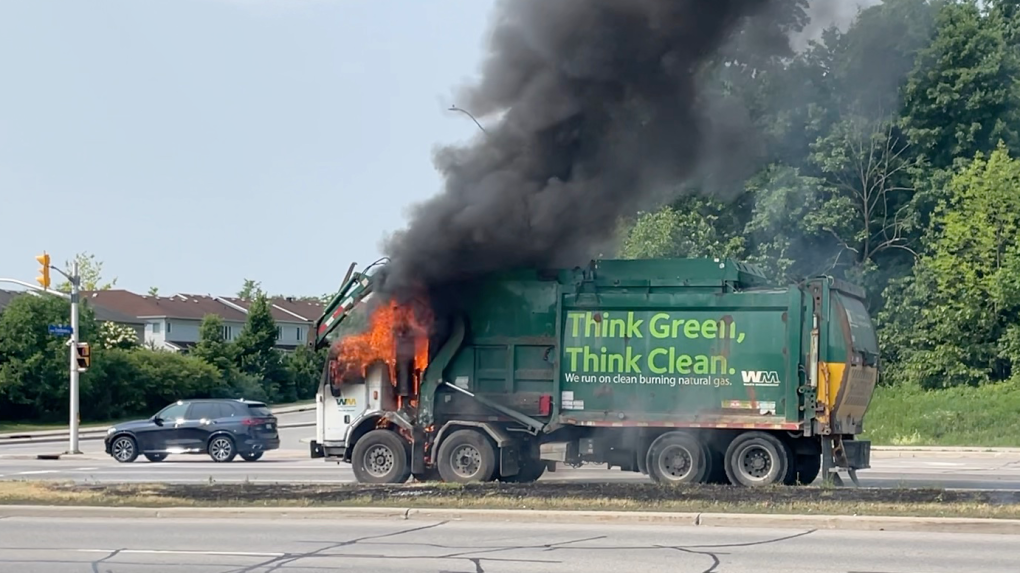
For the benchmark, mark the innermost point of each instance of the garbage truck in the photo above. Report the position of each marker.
(686, 370)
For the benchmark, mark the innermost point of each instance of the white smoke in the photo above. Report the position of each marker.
(826, 14)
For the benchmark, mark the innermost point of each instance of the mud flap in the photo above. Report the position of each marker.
(315, 449)
(509, 460)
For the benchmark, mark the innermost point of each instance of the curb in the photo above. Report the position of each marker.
(838, 522)
(94, 435)
(83, 432)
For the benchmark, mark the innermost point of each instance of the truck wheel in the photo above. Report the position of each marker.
(808, 468)
(466, 456)
(677, 457)
(381, 456)
(758, 459)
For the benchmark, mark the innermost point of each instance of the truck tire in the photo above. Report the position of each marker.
(677, 458)
(757, 459)
(466, 457)
(430, 474)
(381, 456)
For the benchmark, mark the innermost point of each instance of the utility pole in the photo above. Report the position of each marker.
(73, 344)
(75, 282)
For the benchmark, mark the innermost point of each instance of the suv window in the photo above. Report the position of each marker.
(224, 410)
(204, 411)
(259, 411)
(174, 411)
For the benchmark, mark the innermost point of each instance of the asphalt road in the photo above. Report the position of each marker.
(292, 464)
(118, 545)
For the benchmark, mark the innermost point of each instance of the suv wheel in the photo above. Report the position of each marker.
(252, 456)
(124, 449)
(155, 457)
(221, 449)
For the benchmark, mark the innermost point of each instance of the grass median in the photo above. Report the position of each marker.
(540, 496)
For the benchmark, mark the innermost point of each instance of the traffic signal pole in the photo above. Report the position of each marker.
(75, 280)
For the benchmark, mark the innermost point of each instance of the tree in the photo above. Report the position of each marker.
(956, 322)
(153, 292)
(34, 364)
(91, 271)
(256, 351)
(670, 232)
(113, 335)
(250, 289)
(962, 97)
(213, 349)
(304, 366)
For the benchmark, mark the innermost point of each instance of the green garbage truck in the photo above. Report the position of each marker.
(685, 370)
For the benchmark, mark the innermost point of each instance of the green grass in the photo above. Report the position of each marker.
(986, 416)
(19, 427)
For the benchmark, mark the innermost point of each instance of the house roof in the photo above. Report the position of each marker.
(176, 306)
(283, 309)
(196, 307)
(102, 313)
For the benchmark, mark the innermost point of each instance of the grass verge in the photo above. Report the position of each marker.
(554, 496)
(984, 416)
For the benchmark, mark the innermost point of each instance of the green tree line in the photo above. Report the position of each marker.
(128, 379)
(888, 155)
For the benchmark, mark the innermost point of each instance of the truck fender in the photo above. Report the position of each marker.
(368, 422)
(507, 446)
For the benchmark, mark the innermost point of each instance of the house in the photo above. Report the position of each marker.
(102, 313)
(173, 322)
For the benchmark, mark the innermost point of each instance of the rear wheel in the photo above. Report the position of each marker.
(677, 458)
(155, 457)
(465, 457)
(716, 466)
(758, 459)
(124, 449)
(221, 449)
(381, 456)
(252, 456)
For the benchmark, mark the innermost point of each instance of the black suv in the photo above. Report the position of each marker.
(221, 428)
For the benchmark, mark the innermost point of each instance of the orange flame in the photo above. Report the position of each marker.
(387, 324)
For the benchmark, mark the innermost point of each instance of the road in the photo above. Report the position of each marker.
(292, 464)
(119, 545)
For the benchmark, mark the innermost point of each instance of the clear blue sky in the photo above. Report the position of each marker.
(190, 144)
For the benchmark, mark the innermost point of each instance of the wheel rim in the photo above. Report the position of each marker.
(379, 460)
(675, 463)
(466, 461)
(755, 463)
(123, 449)
(220, 449)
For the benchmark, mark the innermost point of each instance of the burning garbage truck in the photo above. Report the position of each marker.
(686, 370)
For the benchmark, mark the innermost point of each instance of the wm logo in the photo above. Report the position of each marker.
(760, 377)
(346, 402)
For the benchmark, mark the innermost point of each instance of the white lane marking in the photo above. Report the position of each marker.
(85, 469)
(181, 552)
(37, 472)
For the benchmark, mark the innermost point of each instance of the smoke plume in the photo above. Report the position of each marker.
(824, 14)
(598, 115)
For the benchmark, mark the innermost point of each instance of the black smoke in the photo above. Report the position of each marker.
(598, 114)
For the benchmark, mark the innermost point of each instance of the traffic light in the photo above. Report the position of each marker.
(44, 270)
(84, 356)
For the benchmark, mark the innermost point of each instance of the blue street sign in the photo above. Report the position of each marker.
(60, 330)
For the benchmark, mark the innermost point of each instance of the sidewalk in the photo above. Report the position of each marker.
(97, 431)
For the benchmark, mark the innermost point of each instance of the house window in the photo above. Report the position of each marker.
(169, 327)
(279, 333)
(226, 332)
(155, 328)
(297, 333)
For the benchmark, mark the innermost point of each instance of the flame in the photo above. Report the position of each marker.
(387, 324)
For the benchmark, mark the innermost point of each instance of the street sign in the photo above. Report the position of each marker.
(60, 330)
